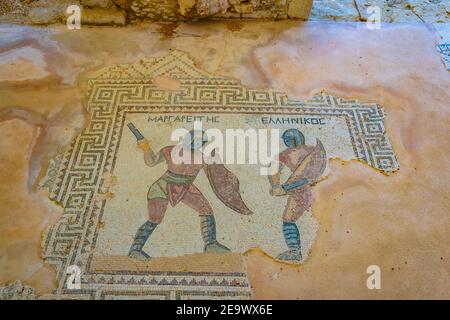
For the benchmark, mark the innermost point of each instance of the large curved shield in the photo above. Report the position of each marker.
(226, 187)
(312, 167)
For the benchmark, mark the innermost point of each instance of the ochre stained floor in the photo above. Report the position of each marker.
(399, 222)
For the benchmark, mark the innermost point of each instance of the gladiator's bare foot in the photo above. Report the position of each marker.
(216, 247)
(290, 255)
(139, 255)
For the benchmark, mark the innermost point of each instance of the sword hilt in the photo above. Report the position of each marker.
(135, 131)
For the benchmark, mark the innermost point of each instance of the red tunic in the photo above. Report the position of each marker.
(299, 200)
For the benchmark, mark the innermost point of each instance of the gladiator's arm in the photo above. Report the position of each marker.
(275, 182)
(151, 159)
(275, 179)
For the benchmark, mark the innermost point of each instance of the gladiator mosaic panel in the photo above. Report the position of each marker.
(101, 180)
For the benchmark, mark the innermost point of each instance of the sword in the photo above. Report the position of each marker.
(294, 185)
(135, 131)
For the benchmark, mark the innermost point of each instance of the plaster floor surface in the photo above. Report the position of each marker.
(399, 222)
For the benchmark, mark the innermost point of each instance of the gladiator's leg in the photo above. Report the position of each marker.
(156, 210)
(297, 204)
(208, 227)
(292, 238)
(195, 200)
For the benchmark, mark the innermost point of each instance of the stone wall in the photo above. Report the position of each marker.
(123, 11)
(240, 9)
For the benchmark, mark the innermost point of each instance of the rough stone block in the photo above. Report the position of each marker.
(262, 14)
(103, 17)
(299, 9)
(343, 10)
(243, 8)
(44, 15)
(124, 4)
(97, 3)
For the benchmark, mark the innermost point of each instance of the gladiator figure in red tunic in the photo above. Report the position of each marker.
(177, 185)
(307, 164)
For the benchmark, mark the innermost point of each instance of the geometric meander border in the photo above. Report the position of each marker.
(77, 174)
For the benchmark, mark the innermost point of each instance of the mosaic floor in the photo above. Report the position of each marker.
(85, 181)
(81, 178)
